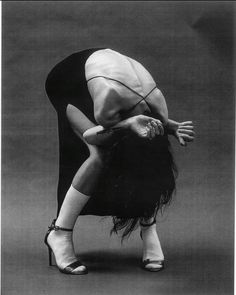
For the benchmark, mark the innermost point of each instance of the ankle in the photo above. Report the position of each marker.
(61, 225)
(146, 223)
(60, 236)
(148, 229)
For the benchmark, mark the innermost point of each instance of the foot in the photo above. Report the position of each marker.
(62, 246)
(152, 248)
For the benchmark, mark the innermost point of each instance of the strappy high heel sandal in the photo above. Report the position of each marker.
(69, 268)
(150, 261)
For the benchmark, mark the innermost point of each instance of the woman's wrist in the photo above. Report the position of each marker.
(171, 126)
(99, 135)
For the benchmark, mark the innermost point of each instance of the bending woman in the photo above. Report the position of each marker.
(114, 151)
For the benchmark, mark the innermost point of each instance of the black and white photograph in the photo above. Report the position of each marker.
(118, 147)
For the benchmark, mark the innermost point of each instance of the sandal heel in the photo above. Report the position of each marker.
(69, 269)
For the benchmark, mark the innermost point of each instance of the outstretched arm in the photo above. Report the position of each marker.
(140, 125)
(182, 131)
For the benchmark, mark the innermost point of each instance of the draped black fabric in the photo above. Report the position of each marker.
(66, 84)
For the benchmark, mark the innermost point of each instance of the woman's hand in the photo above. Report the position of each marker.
(145, 127)
(183, 131)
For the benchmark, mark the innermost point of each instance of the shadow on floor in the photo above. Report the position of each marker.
(107, 261)
(193, 271)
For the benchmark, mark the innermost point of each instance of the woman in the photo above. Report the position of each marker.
(114, 157)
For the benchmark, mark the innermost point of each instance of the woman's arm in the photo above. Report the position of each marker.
(157, 104)
(142, 126)
(98, 135)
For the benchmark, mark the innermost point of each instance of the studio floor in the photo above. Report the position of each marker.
(113, 268)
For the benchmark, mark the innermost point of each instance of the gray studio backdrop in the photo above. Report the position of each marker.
(188, 48)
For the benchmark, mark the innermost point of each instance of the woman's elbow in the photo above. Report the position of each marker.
(158, 106)
(161, 114)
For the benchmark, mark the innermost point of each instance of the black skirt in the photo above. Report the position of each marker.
(139, 177)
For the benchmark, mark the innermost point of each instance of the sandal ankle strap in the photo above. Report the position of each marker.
(147, 224)
(55, 227)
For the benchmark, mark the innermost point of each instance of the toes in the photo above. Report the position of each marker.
(79, 269)
(153, 265)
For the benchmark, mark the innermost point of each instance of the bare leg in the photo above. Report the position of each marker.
(77, 196)
(151, 244)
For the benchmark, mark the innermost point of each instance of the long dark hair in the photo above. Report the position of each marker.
(141, 180)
